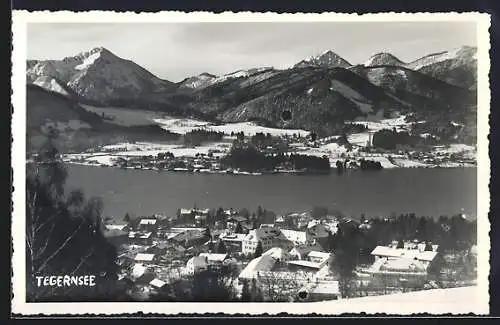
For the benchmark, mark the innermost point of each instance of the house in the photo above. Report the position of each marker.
(268, 235)
(157, 285)
(200, 219)
(279, 221)
(233, 221)
(187, 236)
(185, 214)
(401, 266)
(300, 252)
(122, 227)
(140, 238)
(320, 291)
(317, 230)
(214, 260)
(314, 262)
(390, 253)
(145, 258)
(321, 258)
(197, 264)
(297, 237)
(232, 241)
(147, 224)
(141, 274)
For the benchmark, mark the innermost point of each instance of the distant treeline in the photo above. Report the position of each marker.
(363, 165)
(251, 159)
(198, 136)
(390, 139)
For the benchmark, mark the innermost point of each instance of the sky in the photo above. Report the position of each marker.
(174, 51)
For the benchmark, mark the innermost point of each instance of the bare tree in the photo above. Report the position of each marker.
(63, 233)
(279, 286)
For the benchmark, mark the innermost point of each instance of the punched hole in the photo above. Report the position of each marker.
(286, 115)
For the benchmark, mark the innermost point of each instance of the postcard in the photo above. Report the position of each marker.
(250, 163)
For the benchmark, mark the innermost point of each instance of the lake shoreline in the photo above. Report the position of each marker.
(246, 173)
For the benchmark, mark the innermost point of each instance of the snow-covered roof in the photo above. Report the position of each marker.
(317, 254)
(262, 233)
(138, 270)
(232, 236)
(116, 226)
(147, 222)
(145, 235)
(404, 253)
(306, 264)
(144, 257)
(198, 261)
(237, 218)
(262, 263)
(304, 249)
(277, 253)
(157, 283)
(280, 219)
(214, 257)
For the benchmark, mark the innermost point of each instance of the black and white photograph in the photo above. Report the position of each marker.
(332, 165)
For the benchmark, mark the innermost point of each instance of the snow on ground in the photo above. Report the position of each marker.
(250, 129)
(185, 125)
(435, 301)
(106, 160)
(359, 139)
(332, 150)
(180, 125)
(406, 163)
(88, 61)
(384, 161)
(455, 148)
(389, 123)
(153, 149)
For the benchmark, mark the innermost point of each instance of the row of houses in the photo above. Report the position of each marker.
(270, 235)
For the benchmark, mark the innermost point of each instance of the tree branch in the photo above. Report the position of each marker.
(44, 248)
(60, 248)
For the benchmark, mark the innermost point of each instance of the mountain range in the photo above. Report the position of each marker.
(321, 92)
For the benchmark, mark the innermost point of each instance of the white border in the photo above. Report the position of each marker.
(477, 299)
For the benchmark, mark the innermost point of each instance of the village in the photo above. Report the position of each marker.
(288, 259)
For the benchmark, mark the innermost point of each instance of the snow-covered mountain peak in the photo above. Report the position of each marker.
(383, 58)
(330, 59)
(326, 59)
(462, 54)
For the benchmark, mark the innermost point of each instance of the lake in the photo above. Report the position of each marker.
(429, 192)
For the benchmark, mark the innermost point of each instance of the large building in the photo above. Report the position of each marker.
(269, 236)
(405, 266)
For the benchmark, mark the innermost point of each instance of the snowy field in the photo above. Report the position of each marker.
(112, 152)
(149, 148)
(184, 125)
(388, 123)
